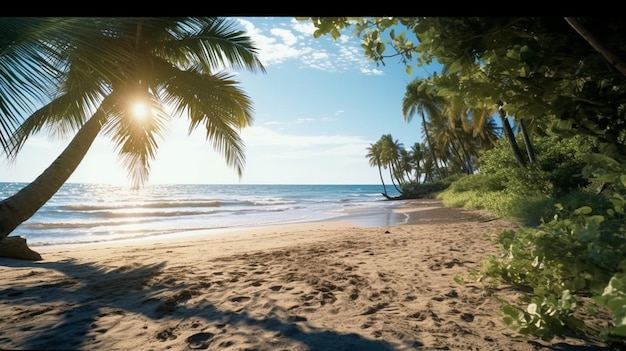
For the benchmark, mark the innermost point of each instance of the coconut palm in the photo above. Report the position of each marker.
(29, 66)
(417, 160)
(469, 130)
(510, 136)
(390, 157)
(419, 100)
(374, 157)
(177, 67)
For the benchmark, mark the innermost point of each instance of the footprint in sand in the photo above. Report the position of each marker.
(167, 334)
(200, 341)
(239, 299)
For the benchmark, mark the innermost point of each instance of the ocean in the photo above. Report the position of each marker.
(89, 213)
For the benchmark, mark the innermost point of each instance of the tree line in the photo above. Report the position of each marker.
(558, 88)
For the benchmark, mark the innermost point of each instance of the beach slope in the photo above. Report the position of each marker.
(311, 286)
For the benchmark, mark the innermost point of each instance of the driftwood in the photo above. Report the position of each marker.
(16, 247)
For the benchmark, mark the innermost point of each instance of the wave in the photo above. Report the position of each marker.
(131, 217)
(170, 204)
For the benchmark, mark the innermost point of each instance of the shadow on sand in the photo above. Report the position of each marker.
(64, 311)
(88, 292)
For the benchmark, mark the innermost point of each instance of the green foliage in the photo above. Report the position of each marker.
(613, 298)
(567, 86)
(481, 191)
(552, 75)
(573, 258)
(564, 159)
(570, 257)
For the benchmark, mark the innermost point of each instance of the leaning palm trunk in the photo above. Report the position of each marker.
(380, 173)
(430, 147)
(530, 150)
(21, 206)
(510, 137)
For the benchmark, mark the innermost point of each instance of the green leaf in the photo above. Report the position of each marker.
(511, 311)
(456, 66)
(583, 210)
(620, 331)
(579, 283)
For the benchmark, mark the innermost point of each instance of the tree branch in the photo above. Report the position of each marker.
(595, 43)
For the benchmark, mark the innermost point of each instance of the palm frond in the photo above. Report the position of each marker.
(218, 44)
(136, 140)
(216, 103)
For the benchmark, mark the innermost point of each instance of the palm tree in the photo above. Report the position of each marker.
(510, 136)
(374, 156)
(417, 100)
(469, 129)
(417, 160)
(177, 63)
(390, 157)
(29, 66)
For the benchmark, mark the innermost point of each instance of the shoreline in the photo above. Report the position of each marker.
(364, 217)
(296, 287)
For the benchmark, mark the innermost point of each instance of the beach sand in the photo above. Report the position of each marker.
(313, 286)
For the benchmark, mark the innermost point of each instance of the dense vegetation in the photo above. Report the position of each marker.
(567, 258)
(557, 89)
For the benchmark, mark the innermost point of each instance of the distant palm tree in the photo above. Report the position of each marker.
(419, 100)
(390, 157)
(164, 63)
(374, 156)
(417, 160)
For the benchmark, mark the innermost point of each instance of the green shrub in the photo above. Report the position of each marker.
(570, 256)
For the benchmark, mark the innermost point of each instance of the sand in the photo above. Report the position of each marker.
(312, 286)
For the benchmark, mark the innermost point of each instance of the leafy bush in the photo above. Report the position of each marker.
(572, 260)
(574, 255)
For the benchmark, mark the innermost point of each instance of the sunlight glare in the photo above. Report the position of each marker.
(140, 111)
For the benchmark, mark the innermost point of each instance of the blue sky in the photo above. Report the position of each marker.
(317, 108)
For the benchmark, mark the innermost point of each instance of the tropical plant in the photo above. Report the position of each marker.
(390, 157)
(177, 64)
(418, 99)
(374, 157)
(568, 73)
(564, 76)
(29, 66)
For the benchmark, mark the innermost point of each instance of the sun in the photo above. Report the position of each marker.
(140, 111)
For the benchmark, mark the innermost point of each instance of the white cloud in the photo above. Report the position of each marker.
(278, 45)
(259, 136)
(305, 27)
(285, 35)
(372, 72)
(274, 48)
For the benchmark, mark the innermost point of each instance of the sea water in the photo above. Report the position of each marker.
(88, 213)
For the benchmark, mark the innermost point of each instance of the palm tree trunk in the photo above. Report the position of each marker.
(530, 150)
(380, 173)
(21, 206)
(510, 136)
(393, 179)
(597, 45)
(467, 163)
(430, 146)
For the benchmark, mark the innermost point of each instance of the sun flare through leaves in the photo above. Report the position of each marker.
(139, 111)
